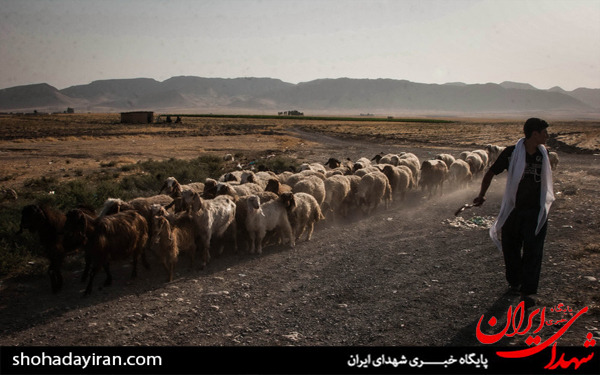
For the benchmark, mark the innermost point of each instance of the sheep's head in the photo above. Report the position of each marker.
(114, 205)
(254, 202)
(158, 210)
(288, 200)
(333, 163)
(248, 176)
(210, 188)
(170, 186)
(273, 186)
(230, 177)
(160, 229)
(224, 189)
(32, 218)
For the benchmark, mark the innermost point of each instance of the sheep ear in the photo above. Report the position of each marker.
(196, 202)
(292, 201)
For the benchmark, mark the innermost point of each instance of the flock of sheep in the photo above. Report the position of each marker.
(243, 210)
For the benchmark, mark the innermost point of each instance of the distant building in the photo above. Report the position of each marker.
(137, 117)
(291, 113)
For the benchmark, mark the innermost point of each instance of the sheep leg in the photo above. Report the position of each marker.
(169, 265)
(309, 233)
(134, 267)
(88, 264)
(203, 243)
(233, 229)
(94, 270)
(145, 261)
(299, 231)
(259, 240)
(108, 281)
(252, 236)
(56, 279)
(287, 228)
(88, 289)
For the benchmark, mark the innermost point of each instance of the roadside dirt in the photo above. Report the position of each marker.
(411, 275)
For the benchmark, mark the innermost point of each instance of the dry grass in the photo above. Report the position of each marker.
(44, 128)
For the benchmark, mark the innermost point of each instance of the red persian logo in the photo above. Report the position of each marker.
(516, 325)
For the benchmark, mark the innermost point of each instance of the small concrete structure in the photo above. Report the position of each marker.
(140, 117)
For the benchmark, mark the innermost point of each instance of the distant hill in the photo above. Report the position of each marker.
(590, 97)
(266, 95)
(517, 85)
(38, 96)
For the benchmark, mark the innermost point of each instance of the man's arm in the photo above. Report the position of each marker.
(485, 184)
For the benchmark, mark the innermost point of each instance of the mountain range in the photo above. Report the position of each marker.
(187, 94)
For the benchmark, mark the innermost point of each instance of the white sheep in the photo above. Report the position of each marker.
(303, 213)
(236, 191)
(284, 176)
(361, 163)
(317, 167)
(400, 179)
(213, 217)
(337, 188)
(350, 203)
(411, 161)
(338, 167)
(475, 163)
(553, 156)
(447, 158)
(312, 185)
(241, 212)
(299, 176)
(433, 175)
(232, 177)
(173, 188)
(372, 168)
(265, 217)
(373, 188)
(485, 158)
(459, 173)
(493, 152)
(392, 159)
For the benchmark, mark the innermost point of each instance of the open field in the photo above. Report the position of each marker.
(409, 275)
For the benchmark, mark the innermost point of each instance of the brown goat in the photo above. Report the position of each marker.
(168, 240)
(78, 227)
(113, 237)
(49, 224)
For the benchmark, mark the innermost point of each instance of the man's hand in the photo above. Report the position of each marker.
(478, 201)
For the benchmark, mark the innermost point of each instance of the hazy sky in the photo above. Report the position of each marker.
(542, 42)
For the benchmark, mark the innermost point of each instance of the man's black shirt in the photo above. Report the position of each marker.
(530, 186)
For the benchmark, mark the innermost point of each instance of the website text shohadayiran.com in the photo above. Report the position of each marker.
(83, 361)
